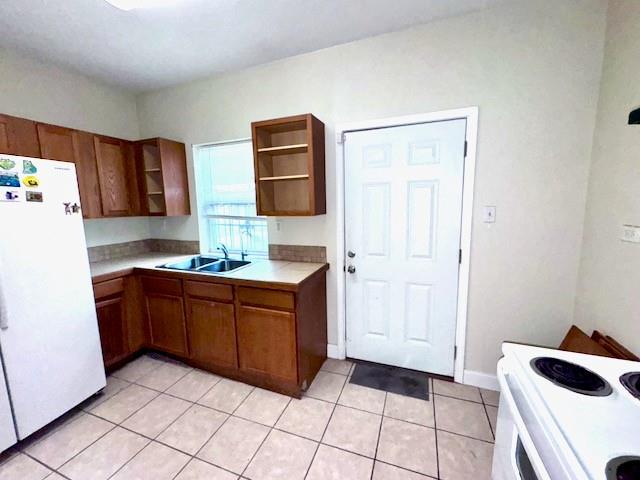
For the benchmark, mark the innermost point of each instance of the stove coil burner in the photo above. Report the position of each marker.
(623, 468)
(571, 376)
(631, 381)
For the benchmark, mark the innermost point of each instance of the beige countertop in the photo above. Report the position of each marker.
(276, 271)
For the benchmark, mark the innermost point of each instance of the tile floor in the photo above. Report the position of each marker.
(158, 419)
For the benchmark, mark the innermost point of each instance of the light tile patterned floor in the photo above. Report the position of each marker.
(158, 419)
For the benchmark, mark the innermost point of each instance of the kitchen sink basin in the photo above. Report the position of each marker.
(223, 266)
(207, 265)
(191, 264)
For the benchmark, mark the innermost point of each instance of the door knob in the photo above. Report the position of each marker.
(351, 254)
(351, 269)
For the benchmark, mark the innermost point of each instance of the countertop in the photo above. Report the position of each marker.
(273, 271)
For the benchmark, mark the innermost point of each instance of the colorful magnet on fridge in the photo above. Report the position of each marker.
(34, 196)
(28, 168)
(31, 181)
(9, 179)
(10, 196)
(7, 164)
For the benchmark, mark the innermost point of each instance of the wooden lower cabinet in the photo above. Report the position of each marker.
(113, 330)
(167, 323)
(211, 329)
(269, 337)
(267, 342)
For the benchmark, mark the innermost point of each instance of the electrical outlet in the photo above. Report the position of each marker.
(630, 233)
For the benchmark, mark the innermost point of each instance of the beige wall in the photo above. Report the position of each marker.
(609, 290)
(533, 68)
(35, 90)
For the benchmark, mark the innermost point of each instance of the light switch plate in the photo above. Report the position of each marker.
(489, 214)
(630, 233)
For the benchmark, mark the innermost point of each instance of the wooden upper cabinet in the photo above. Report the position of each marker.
(65, 144)
(162, 175)
(56, 143)
(18, 136)
(289, 166)
(114, 176)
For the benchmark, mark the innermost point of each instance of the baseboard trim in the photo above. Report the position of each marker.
(482, 380)
(332, 351)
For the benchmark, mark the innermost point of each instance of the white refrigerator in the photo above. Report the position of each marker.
(50, 352)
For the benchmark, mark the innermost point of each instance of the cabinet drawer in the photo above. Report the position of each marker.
(108, 288)
(211, 291)
(266, 298)
(162, 286)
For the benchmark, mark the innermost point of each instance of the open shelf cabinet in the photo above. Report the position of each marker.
(289, 166)
(162, 172)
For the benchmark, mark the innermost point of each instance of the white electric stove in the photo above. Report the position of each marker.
(566, 415)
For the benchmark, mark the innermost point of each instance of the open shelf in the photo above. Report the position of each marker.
(285, 149)
(283, 177)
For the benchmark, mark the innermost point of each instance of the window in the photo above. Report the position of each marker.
(227, 199)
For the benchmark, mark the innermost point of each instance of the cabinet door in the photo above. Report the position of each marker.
(18, 136)
(56, 143)
(267, 342)
(166, 323)
(113, 332)
(212, 332)
(113, 175)
(64, 144)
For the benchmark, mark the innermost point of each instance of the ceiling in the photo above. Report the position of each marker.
(152, 48)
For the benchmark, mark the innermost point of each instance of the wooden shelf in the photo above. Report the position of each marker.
(155, 193)
(285, 149)
(289, 166)
(284, 177)
(150, 170)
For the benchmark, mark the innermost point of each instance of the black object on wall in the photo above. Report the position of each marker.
(634, 117)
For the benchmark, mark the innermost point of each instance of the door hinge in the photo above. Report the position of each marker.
(460, 257)
(341, 138)
(455, 352)
(465, 149)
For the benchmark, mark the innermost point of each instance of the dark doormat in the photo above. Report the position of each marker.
(391, 379)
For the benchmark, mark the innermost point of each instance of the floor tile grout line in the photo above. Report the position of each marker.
(486, 412)
(405, 469)
(324, 432)
(375, 453)
(265, 438)
(57, 470)
(435, 427)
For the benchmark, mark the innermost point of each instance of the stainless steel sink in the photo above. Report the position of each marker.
(191, 264)
(206, 265)
(223, 266)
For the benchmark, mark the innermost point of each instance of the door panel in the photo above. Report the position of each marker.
(212, 332)
(113, 329)
(267, 342)
(403, 207)
(111, 155)
(18, 136)
(166, 323)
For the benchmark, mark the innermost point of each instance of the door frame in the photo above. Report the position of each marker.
(470, 114)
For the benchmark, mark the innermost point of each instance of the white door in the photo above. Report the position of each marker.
(49, 334)
(403, 211)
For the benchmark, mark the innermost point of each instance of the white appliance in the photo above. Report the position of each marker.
(49, 341)
(558, 421)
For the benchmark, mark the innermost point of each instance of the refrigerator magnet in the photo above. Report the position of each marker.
(34, 196)
(28, 168)
(9, 179)
(31, 181)
(7, 195)
(7, 164)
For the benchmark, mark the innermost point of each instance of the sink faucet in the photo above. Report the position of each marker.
(225, 250)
